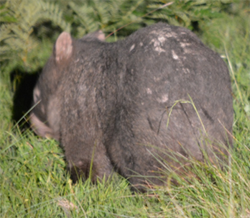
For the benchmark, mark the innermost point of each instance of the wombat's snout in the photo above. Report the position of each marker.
(39, 127)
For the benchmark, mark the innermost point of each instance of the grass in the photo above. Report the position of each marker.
(34, 182)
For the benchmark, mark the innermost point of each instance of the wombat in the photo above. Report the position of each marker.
(131, 105)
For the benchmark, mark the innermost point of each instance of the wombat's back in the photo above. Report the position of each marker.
(166, 67)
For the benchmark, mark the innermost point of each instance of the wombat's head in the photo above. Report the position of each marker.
(45, 115)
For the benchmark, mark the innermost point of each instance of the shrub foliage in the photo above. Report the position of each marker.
(28, 27)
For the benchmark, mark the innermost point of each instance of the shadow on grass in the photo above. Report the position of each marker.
(22, 86)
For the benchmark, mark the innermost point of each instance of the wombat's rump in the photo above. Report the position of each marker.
(123, 105)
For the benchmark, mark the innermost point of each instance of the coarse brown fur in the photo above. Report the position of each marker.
(109, 103)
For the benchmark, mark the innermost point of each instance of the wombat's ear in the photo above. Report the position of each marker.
(95, 35)
(63, 48)
(100, 35)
